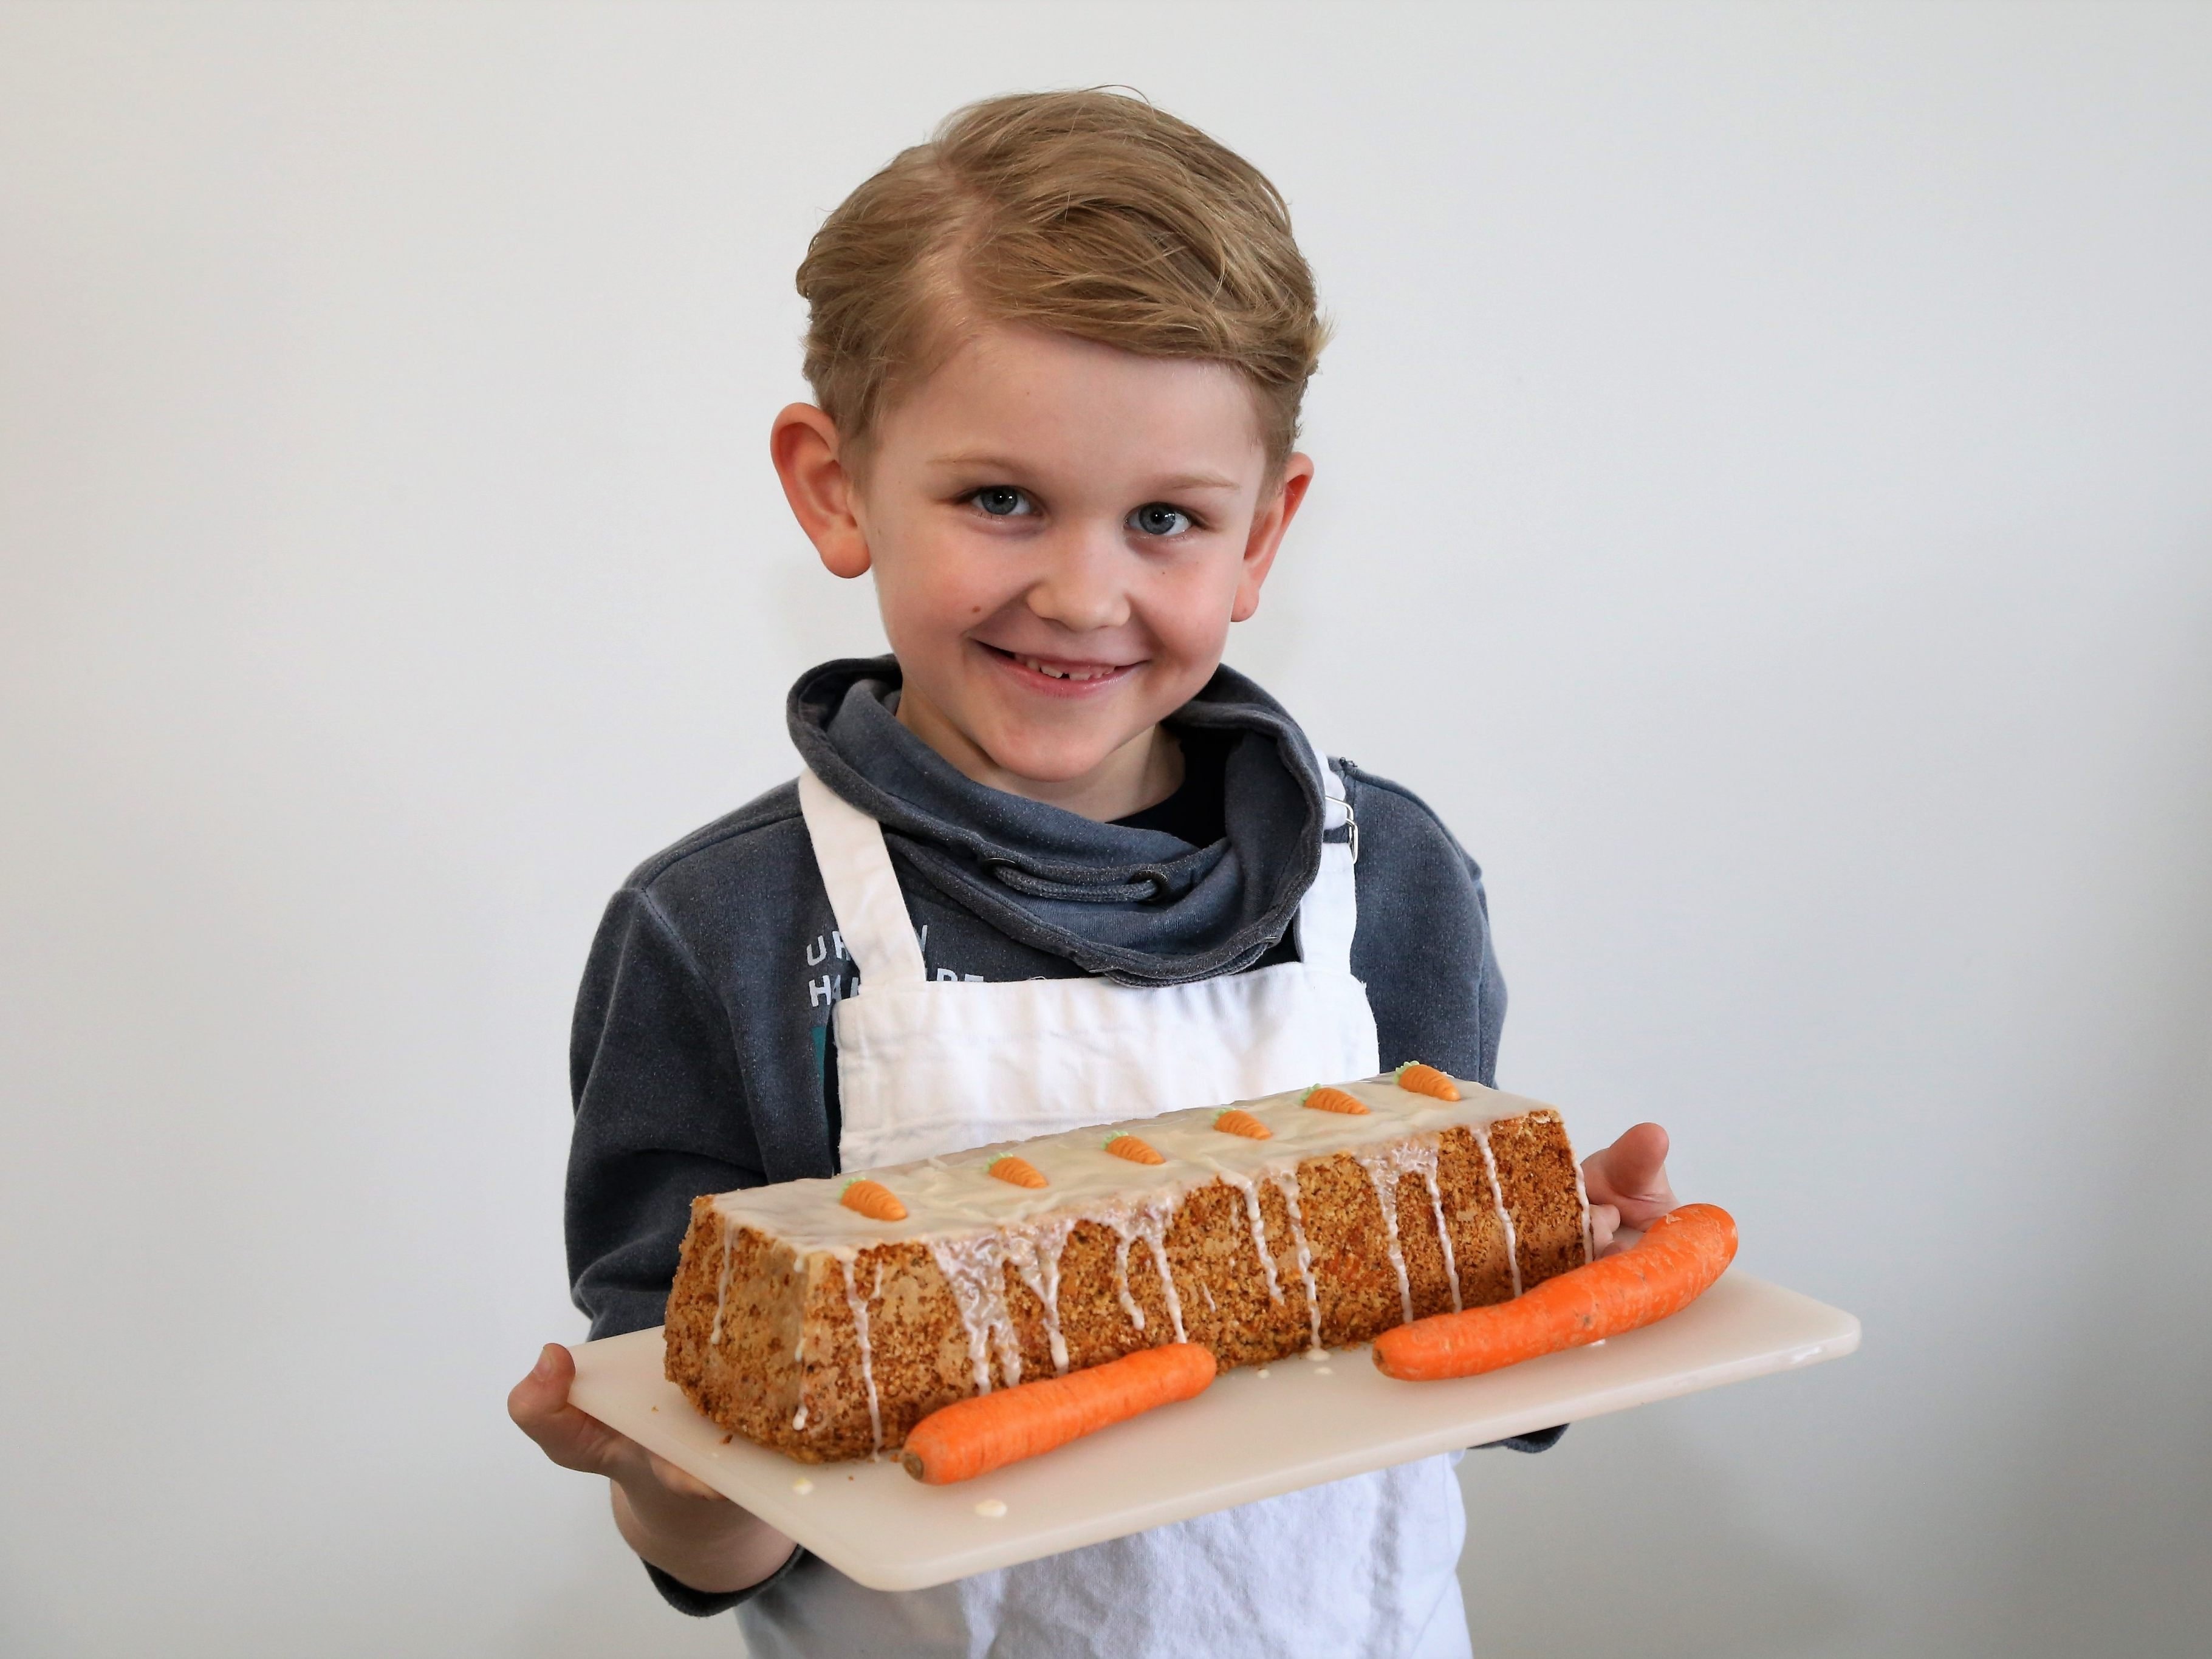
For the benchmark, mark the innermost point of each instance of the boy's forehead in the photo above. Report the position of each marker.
(1010, 393)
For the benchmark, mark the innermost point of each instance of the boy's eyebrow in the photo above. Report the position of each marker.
(984, 458)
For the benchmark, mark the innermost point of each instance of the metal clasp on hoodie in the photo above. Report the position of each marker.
(1351, 827)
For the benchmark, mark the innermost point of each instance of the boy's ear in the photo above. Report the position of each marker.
(804, 445)
(1269, 524)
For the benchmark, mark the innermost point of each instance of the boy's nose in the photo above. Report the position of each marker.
(1080, 587)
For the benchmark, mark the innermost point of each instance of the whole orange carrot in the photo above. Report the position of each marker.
(1685, 1251)
(970, 1437)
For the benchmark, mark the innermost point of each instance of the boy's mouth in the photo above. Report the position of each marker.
(1059, 670)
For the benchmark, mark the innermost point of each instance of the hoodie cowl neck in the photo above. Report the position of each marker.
(1136, 905)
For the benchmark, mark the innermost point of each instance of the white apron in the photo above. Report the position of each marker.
(1365, 1566)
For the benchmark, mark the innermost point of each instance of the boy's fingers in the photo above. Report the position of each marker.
(1605, 1222)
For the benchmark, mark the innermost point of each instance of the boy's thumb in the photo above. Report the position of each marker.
(542, 1393)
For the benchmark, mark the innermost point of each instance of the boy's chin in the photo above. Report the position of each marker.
(1056, 753)
(1052, 762)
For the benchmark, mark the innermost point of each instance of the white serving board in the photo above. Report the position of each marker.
(1247, 1436)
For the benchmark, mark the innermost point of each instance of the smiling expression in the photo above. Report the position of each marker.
(1062, 534)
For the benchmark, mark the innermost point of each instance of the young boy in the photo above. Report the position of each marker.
(1047, 861)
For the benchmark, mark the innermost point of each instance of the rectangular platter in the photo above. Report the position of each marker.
(1254, 1434)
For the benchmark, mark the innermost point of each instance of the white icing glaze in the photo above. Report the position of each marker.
(1148, 1219)
(1384, 1170)
(859, 1310)
(1251, 1191)
(722, 1286)
(976, 1226)
(1122, 1239)
(1504, 1215)
(974, 1268)
(953, 1193)
(1443, 1233)
(1036, 1251)
(1286, 1183)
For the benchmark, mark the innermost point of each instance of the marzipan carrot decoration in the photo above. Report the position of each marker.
(1238, 1122)
(1323, 1098)
(1685, 1251)
(1019, 1170)
(973, 1437)
(1134, 1150)
(1426, 1081)
(873, 1200)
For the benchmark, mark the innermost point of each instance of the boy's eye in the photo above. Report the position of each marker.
(1002, 500)
(1159, 519)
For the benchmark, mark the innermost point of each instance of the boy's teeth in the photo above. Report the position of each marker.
(1063, 673)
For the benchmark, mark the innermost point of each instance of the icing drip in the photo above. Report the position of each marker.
(1147, 1220)
(975, 1269)
(1392, 1163)
(1035, 1252)
(1152, 1226)
(1251, 1191)
(1506, 1216)
(1286, 1183)
(1443, 1233)
(1122, 1239)
(722, 1280)
(798, 1359)
(859, 1309)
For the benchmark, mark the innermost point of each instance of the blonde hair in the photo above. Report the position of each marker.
(1090, 214)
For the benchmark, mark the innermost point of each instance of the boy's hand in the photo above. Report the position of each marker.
(1627, 1185)
(675, 1521)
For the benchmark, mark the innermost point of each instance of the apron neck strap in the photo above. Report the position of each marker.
(863, 887)
(1328, 915)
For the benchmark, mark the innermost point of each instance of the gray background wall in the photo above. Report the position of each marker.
(1764, 504)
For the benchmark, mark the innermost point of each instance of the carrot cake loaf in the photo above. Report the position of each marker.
(825, 1318)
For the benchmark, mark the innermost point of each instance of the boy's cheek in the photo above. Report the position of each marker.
(1190, 617)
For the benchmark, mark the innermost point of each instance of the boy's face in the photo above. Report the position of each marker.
(1062, 534)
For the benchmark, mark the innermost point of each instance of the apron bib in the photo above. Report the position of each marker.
(1367, 1566)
